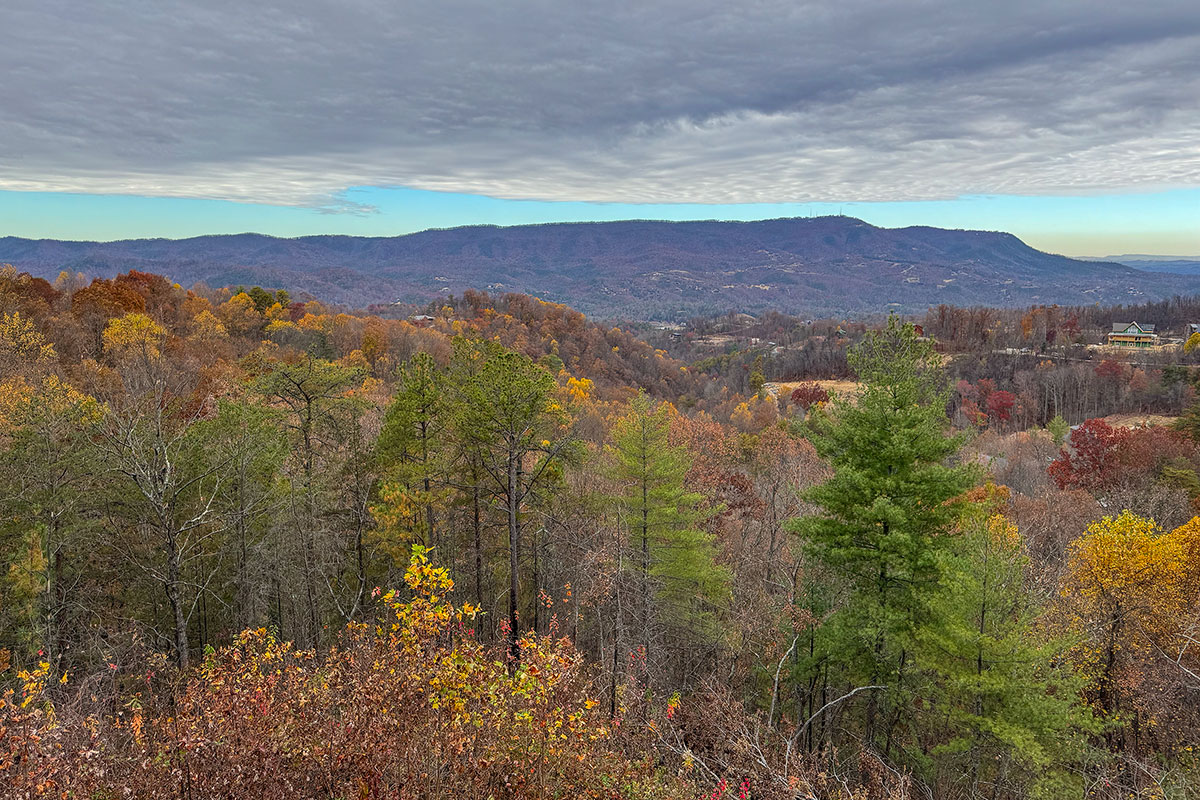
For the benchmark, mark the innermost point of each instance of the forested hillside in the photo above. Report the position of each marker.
(256, 547)
(635, 269)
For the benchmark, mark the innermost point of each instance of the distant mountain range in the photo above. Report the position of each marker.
(637, 269)
(1178, 265)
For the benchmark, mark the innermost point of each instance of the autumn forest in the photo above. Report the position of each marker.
(258, 546)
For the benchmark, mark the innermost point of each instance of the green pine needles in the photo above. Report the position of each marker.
(681, 585)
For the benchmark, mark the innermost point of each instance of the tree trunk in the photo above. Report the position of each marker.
(426, 482)
(175, 600)
(645, 554)
(537, 584)
(612, 697)
(514, 544)
(478, 543)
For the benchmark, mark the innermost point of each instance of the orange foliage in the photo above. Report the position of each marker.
(411, 707)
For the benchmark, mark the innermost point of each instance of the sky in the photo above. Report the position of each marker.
(1075, 125)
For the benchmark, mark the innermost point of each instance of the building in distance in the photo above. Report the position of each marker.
(1132, 334)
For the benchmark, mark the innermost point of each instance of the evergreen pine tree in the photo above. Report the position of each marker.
(681, 585)
(885, 512)
(1058, 428)
(506, 419)
(1007, 706)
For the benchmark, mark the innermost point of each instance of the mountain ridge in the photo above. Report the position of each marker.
(634, 268)
(1174, 265)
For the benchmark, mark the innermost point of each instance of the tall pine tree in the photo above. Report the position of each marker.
(506, 419)
(1003, 704)
(674, 559)
(885, 514)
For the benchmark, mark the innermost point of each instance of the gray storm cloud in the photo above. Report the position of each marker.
(692, 101)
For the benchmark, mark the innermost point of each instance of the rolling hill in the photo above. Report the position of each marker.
(635, 269)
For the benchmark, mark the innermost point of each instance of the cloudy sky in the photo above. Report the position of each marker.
(1073, 124)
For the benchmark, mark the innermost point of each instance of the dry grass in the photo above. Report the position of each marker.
(842, 388)
(713, 340)
(1138, 420)
(1118, 350)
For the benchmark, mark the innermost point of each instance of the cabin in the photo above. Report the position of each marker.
(1131, 334)
(421, 320)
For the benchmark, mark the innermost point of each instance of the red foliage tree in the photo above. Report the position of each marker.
(1146, 450)
(1098, 456)
(807, 395)
(1111, 370)
(1090, 459)
(1070, 326)
(972, 414)
(1000, 405)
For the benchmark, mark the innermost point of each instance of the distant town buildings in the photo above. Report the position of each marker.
(1132, 334)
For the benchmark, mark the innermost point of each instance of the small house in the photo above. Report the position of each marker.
(1132, 334)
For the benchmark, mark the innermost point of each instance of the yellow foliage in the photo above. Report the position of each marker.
(754, 414)
(317, 322)
(15, 394)
(134, 335)
(1127, 572)
(194, 304)
(278, 325)
(741, 415)
(1187, 536)
(1117, 557)
(54, 399)
(20, 341)
(417, 681)
(355, 359)
(370, 386)
(1003, 531)
(398, 519)
(277, 313)
(239, 314)
(208, 328)
(33, 683)
(578, 390)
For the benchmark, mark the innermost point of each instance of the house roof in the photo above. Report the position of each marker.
(1121, 327)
